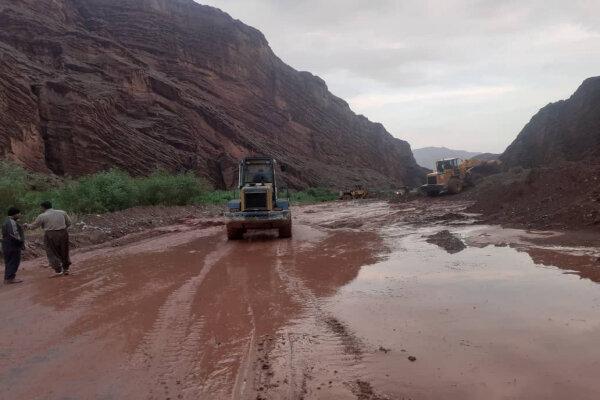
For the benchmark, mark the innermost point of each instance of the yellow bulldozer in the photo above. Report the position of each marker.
(451, 175)
(259, 205)
(358, 192)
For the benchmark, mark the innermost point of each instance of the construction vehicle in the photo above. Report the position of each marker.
(451, 175)
(259, 205)
(358, 192)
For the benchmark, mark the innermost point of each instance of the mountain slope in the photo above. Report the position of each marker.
(568, 130)
(556, 184)
(427, 156)
(142, 84)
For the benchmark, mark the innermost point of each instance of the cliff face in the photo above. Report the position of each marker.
(567, 130)
(138, 84)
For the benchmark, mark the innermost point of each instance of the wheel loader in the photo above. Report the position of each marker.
(358, 192)
(259, 205)
(451, 175)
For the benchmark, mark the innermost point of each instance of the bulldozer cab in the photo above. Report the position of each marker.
(447, 165)
(257, 180)
(256, 171)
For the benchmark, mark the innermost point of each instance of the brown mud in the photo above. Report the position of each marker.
(357, 305)
(563, 196)
(447, 241)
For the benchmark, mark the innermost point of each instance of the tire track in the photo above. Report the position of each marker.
(169, 351)
(245, 370)
(292, 359)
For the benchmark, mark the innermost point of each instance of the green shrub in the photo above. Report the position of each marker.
(102, 192)
(313, 195)
(162, 188)
(115, 190)
(216, 197)
(13, 186)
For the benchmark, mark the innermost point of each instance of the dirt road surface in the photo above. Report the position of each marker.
(357, 305)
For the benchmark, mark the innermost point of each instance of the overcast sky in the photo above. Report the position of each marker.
(465, 74)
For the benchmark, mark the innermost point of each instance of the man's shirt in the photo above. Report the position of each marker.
(52, 220)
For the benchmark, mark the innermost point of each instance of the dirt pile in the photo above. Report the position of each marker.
(566, 196)
(481, 171)
(140, 84)
(447, 241)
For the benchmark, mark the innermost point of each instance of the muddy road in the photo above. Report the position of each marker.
(367, 301)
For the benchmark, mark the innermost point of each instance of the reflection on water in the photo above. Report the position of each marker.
(488, 322)
(587, 266)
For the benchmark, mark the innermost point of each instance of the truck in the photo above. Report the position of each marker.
(259, 205)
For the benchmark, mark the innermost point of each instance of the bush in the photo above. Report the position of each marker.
(102, 192)
(216, 197)
(162, 188)
(313, 195)
(107, 191)
(116, 190)
(13, 186)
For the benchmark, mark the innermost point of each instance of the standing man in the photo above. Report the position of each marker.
(56, 237)
(13, 242)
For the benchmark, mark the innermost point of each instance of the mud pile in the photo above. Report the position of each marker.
(566, 196)
(138, 84)
(447, 241)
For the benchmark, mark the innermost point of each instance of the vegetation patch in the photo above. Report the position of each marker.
(311, 195)
(115, 190)
(102, 192)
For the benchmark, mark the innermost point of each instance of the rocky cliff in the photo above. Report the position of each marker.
(567, 130)
(143, 84)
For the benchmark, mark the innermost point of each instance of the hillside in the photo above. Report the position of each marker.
(486, 157)
(427, 156)
(568, 130)
(552, 177)
(86, 85)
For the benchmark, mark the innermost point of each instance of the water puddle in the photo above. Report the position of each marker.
(486, 322)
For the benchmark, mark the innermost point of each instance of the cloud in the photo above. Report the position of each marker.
(367, 101)
(479, 67)
(565, 33)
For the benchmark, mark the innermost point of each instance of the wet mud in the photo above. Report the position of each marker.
(447, 241)
(357, 305)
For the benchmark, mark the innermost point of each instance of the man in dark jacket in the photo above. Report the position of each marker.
(13, 242)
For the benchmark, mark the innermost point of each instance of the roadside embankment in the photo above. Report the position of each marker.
(561, 197)
(126, 226)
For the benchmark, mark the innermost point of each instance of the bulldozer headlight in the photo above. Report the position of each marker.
(234, 205)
